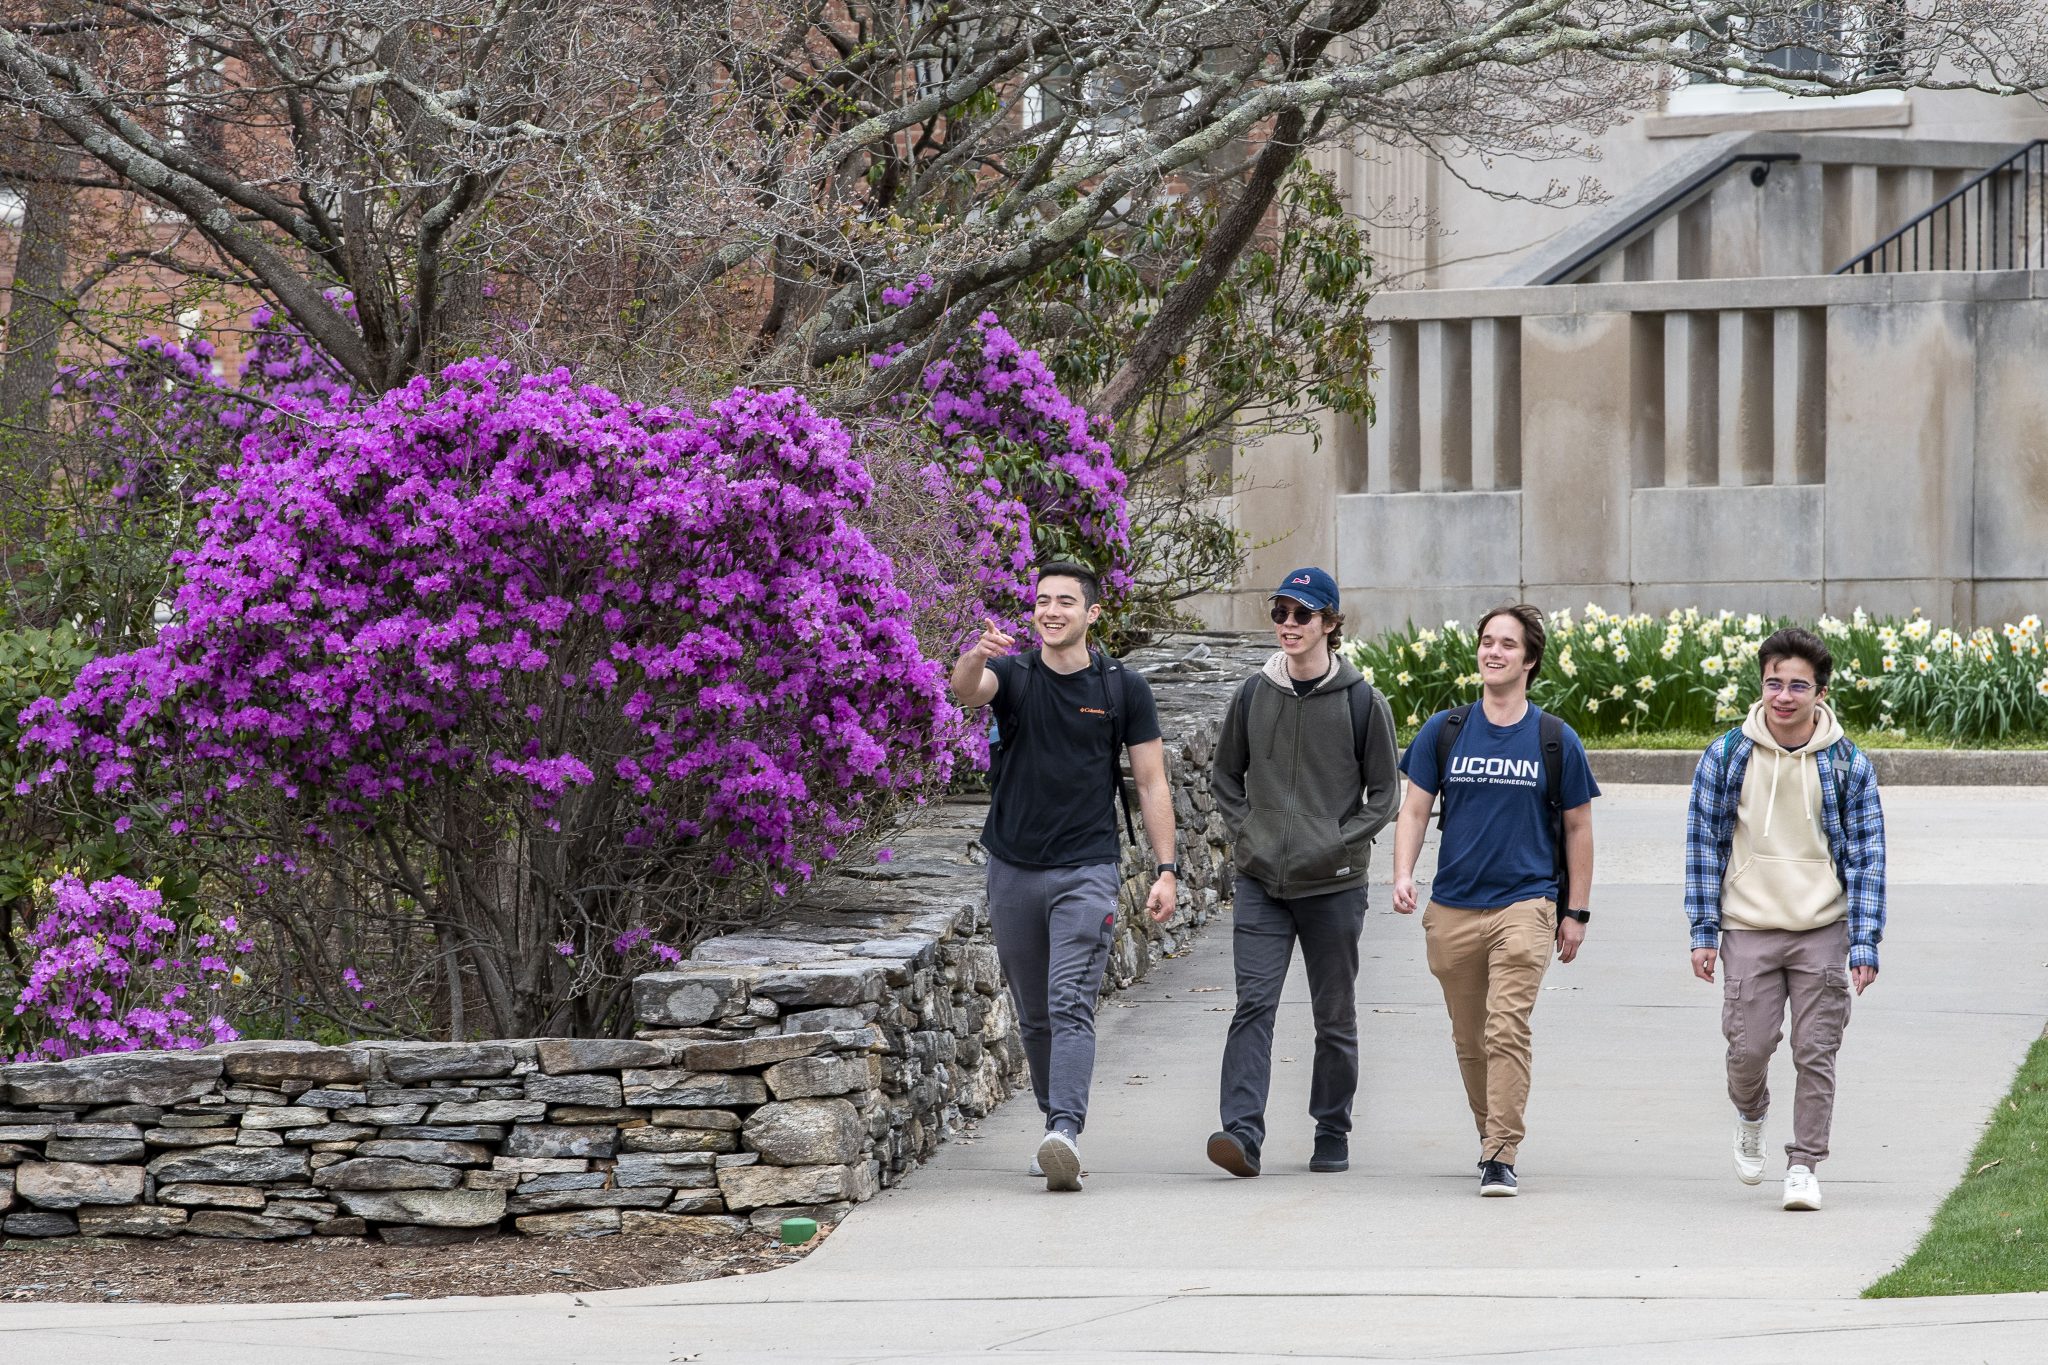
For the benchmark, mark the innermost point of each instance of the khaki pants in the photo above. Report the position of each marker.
(1490, 964)
(1763, 972)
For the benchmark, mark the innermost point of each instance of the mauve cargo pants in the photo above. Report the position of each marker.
(1763, 971)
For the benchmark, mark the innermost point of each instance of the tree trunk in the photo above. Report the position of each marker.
(38, 303)
(1167, 334)
(36, 314)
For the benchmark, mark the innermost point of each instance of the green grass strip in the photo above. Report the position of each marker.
(1991, 1234)
(1696, 740)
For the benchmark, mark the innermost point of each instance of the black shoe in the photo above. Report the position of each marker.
(1233, 1153)
(1496, 1180)
(1333, 1153)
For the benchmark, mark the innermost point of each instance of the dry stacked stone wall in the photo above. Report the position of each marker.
(794, 1068)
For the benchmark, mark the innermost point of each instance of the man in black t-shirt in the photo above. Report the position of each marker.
(1051, 835)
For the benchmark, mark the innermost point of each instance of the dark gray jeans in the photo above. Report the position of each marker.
(1262, 941)
(1053, 929)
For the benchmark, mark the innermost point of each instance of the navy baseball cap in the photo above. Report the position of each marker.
(1311, 587)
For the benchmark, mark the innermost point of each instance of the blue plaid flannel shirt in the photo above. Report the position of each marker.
(1858, 850)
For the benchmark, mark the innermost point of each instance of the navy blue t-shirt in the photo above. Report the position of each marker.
(1496, 847)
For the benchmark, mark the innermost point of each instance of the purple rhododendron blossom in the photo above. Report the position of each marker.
(666, 646)
(165, 399)
(1034, 467)
(108, 972)
(686, 598)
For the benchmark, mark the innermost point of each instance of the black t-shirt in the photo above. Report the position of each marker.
(1055, 795)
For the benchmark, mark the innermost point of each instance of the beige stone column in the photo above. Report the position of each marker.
(1576, 457)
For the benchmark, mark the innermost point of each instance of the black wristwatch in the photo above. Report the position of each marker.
(1174, 868)
(1582, 916)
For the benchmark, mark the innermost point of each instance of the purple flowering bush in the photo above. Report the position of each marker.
(525, 663)
(139, 436)
(1032, 469)
(109, 971)
(502, 689)
(162, 404)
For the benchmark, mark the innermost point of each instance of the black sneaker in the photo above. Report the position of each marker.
(1496, 1180)
(1233, 1154)
(1333, 1153)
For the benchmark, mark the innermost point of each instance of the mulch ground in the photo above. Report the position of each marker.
(320, 1270)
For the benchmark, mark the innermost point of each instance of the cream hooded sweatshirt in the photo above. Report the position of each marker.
(1781, 874)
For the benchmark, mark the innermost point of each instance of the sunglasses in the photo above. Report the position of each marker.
(1298, 615)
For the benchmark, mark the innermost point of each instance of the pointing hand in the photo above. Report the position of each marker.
(993, 641)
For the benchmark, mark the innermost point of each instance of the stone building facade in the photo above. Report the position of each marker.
(1674, 398)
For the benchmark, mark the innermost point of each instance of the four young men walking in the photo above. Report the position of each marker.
(1784, 867)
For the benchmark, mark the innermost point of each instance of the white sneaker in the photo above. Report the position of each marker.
(1037, 1172)
(1802, 1189)
(1060, 1158)
(1749, 1150)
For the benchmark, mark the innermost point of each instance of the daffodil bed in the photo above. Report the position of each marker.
(1695, 672)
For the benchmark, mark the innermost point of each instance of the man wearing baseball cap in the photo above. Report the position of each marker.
(1305, 776)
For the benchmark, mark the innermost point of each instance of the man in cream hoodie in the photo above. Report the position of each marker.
(1784, 885)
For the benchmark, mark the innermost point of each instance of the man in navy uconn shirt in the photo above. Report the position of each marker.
(1497, 909)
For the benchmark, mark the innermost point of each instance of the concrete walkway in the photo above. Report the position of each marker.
(1631, 1242)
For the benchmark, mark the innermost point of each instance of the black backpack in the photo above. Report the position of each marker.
(1361, 711)
(1113, 691)
(1550, 735)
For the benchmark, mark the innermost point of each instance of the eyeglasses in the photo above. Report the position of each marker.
(1299, 615)
(1798, 689)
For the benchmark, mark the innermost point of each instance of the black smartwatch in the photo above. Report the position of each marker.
(1582, 916)
(1174, 868)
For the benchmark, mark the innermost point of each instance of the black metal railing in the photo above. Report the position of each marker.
(1677, 197)
(1994, 221)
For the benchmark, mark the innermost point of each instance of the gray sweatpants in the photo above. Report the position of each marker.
(1262, 942)
(1054, 926)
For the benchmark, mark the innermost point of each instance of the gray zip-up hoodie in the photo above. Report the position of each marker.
(1300, 807)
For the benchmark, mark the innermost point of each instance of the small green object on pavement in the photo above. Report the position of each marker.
(797, 1231)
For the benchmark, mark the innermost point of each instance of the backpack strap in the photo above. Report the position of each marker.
(1728, 743)
(1361, 719)
(1842, 762)
(1242, 705)
(1550, 735)
(1360, 694)
(1446, 739)
(1115, 690)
